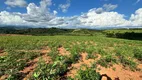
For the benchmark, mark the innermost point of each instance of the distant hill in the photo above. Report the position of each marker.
(58, 31)
(46, 31)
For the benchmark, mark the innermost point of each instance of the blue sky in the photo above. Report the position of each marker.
(68, 13)
(126, 7)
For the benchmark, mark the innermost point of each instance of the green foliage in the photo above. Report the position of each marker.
(138, 54)
(108, 60)
(51, 71)
(126, 34)
(88, 74)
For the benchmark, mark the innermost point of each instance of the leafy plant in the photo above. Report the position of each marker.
(138, 54)
(108, 60)
(88, 74)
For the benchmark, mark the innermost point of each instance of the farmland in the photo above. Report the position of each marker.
(62, 57)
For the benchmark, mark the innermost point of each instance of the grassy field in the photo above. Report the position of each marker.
(69, 58)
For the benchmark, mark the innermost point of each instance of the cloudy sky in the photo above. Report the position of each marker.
(89, 14)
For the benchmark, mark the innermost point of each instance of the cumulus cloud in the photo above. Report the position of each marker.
(105, 8)
(41, 16)
(16, 3)
(8, 18)
(136, 18)
(35, 16)
(64, 7)
(39, 13)
(55, 12)
(107, 19)
(109, 7)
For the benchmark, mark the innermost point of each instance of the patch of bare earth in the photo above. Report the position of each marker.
(93, 43)
(75, 67)
(118, 72)
(140, 66)
(3, 77)
(63, 52)
(33, 63)
(2, 53)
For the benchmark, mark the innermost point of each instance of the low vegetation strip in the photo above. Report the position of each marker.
(125, 34)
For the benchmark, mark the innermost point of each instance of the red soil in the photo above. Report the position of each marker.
(120, 72)
(3, 77)
(63, 51)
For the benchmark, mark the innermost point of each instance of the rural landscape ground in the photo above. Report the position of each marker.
(95, 56)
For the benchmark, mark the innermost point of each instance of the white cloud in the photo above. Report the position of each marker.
(137, 1)
(35, 16)
(41, 16)
(136, 18)
(15, 3)
(108, 19)
(55, 12)
(39, 13)
(64, 7)
(8, 18)
(45, 3)
(109, 7)
(105, 8)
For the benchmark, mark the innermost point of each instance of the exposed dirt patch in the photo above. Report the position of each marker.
(3, 54)
(78, 43)
(117, 72)
(92, 42)
(86, 42)
(98, 57)
(140, 66)
(1, 50)
(83, 61)
(63, 51)
(3, 77)
(33, 63)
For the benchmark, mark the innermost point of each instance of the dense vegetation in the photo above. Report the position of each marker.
(47, 31)
(134, 34)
